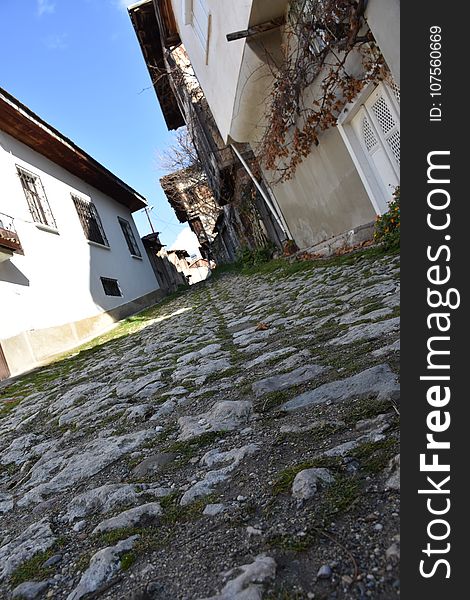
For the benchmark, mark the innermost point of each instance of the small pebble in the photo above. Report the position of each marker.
(324, 572)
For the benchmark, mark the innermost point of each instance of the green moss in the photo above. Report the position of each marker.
(282, 593)
(111, 538)
(285, 478)
(189, 448)
(340, 497)
(174, 513)
(127, 560)
(7, 407)
(272, 400)
(231, 372)
(368, 308)
(292, 543)
(375, 456)
(32, 569)
(365, 408)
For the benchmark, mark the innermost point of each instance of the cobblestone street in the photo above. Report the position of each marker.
(239, 441)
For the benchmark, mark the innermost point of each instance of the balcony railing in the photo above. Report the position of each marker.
(8, 236)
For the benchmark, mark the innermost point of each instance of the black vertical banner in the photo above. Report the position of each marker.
(435, 323)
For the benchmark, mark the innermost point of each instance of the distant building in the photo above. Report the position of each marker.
(168, 276)
(71, 260)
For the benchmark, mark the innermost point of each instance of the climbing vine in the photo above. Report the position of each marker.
(329, 56)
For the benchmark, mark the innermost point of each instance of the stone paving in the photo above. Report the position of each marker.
(238, 442)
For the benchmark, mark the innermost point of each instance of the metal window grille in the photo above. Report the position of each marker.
(36, 198)
(111, 286)
(129, 235)
(90, 220)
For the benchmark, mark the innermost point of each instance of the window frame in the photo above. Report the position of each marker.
(202, 31)
(87, 205)
(113, 281)
(130, 238)
(38, 204)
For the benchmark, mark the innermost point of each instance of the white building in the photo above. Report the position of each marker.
(349, 177)
(71, 261)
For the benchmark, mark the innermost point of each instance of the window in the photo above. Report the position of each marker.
(129, 235)
(36, 198)
(111, 286)
(90, 220)
(196, 13)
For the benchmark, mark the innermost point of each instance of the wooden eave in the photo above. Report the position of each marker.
(21, 123)
(147, 28)
(167, 23)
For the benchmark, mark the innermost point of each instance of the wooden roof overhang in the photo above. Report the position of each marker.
(21, 123)
(150, 18)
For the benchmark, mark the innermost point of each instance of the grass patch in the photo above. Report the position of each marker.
(32, 569)
(272, 400)
(371, 307)
(8, 406)
(313, 437)
(375, 456)
(292, 543)
(231, 372)
(282, 593)
(366, 408)
(111, 538)
(174, 513)
(187, 449)
(284, 480)
(127, 560)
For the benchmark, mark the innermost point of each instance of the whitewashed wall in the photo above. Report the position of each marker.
(57, 281)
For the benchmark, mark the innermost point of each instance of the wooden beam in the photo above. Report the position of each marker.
(261, 28)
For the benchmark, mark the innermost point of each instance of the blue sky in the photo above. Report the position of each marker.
(78, 65)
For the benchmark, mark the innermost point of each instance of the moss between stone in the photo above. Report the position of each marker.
(375, 456)
(174, 513)
(286, 477)
(127, 560)
(281, 593)
(33, 569)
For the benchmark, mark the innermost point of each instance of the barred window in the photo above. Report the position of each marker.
(130, 238)
(90, 220)
(36, 198)
(111, 286)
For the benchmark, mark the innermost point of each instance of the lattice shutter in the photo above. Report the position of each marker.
(388, 125)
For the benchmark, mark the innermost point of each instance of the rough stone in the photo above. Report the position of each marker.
(223, 416)
(213, 509)
(275, 354)
(6, 502)
(30, 590)
(38, 537)
(103, 566)
(287, 380)
(212, 478)
(306, 482)
(393, 480)
(101, 500)
(140, 515)
(248, 585)
(153, 463)
(201, 370)
(367, 331)
(129, 387)
(57, 471)
(376, 380)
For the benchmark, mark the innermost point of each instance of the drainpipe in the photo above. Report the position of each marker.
(282, 224)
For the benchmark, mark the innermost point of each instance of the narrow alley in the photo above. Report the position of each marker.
(237, 441)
